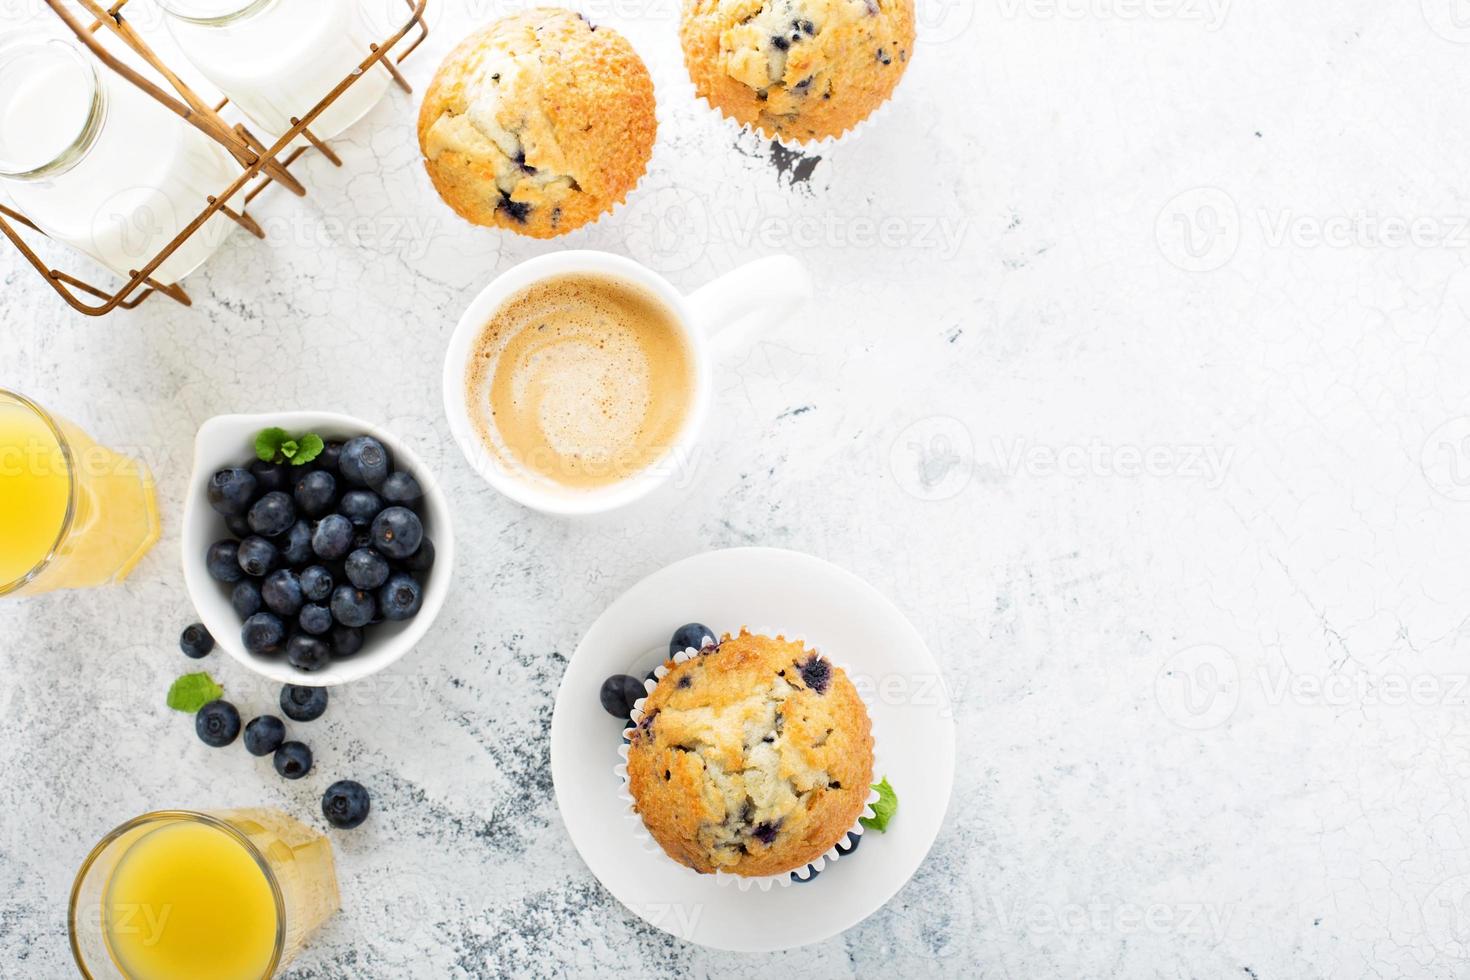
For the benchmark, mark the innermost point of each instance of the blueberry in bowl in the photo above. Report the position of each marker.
(318, 549)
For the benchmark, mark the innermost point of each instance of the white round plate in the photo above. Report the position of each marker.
(842, 616)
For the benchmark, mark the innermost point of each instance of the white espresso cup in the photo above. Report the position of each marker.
(771, 286)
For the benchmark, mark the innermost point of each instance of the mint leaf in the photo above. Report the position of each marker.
(883, 808)
(192, 692)
(311, 446)
(289, 447)
(268, 443)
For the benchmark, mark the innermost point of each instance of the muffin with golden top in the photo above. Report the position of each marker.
(539, 123)
(753, 758)
(797, 70)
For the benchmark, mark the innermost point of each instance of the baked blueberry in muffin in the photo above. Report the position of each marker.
(798, 70)
(539, 123)
(752, 758)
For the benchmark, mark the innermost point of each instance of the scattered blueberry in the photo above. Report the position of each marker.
(223, 561)
(332, 538)
(258, 557)
(296, 545)
(691, 636)
(272, 514)
(196, 642)
(270, 476)
(282, 593)
(301, 703)
(345, 804)
(353, 607)
(315, 619)
(816, 673)
(360, 507)
(246, 599)
(264, 735)
(402, 488)
(293, 760)
(217, 724)
(315, 493)
(231, 490)
(367, 569)
(308, 653)
(363, 462)
(316, 583)
(811, 875)
(397, 532)
(421, 560)
(263, 634)
(618, 694)
(346, 640)
(849, 843)
(401, 597)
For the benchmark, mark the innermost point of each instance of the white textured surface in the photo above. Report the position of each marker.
(1153, 779)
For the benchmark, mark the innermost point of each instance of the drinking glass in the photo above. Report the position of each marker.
(180, 895)
(73, 514)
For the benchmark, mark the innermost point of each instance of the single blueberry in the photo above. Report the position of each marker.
(292, 760)
(272, 514)
(518, 210)
(618, 694)
(401, 597)
(270, 476)
(196, 642)
(346, 640)
(315, 619)
(332, 538)
(691, 636)
(397, 532)
(367, 569)
(364, 462)
(360, 507)
(345, 804)
(263, 634)
(296, 545)
(331, 455)
(231, 491)
(258, 557)
(306, 652)
(353, 607)
(264, 735)
(780, 43)
(246, 599)
(282, 593)
(217, 724)
(316, 583)
(421, 560)
(402, 488)
(766, 832)
(301, 703)
(223, 561)
(315, 493)
(816, 673)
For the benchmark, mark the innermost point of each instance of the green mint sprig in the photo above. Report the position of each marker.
(884, 807)
(192, 692)
(276, 445)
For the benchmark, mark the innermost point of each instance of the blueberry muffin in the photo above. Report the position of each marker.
(539, 123)
(753, 758)
(797, 70)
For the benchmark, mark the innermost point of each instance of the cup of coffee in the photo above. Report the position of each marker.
(579, 381)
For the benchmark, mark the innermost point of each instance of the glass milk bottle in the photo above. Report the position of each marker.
(276, 59)
(100, 165)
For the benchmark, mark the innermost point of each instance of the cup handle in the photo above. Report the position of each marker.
(774, 285)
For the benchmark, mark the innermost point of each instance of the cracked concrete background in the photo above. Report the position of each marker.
(1137, 378)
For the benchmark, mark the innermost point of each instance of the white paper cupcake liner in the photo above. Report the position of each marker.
(743, 882)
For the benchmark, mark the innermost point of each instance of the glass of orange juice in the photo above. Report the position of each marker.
(73, 514)
(179, 895)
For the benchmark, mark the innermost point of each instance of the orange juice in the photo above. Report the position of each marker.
(73, 514)
(176, 895)
(188, 900)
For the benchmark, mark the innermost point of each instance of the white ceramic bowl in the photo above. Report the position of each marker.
(229, 440)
